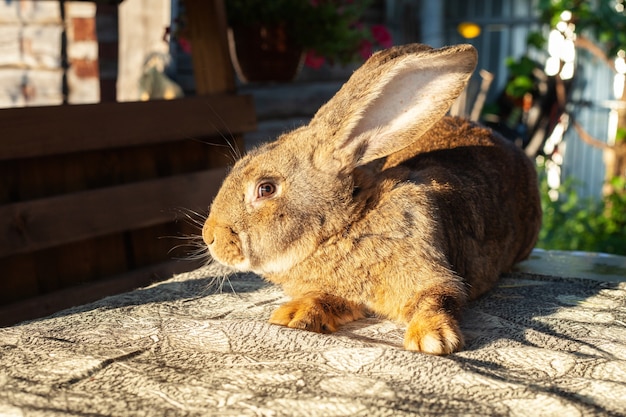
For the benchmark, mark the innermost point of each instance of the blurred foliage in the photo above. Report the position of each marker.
(574, 223)
(602, 19)
(536, 40)
(620, 135)
(522, 80)
(331, 28)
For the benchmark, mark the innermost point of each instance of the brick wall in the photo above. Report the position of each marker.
(83, 75)
(30, 53)
(32, 56)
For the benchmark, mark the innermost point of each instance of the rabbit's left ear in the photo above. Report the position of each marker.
(398, 101)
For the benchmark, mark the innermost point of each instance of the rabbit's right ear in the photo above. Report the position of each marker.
(388, 103)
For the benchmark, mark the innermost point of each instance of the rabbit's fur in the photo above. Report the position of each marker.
(381, 204)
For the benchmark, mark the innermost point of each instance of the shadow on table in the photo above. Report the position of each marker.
(174, 290)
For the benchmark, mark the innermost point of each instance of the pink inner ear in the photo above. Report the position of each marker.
(412, 98)
(400, 104)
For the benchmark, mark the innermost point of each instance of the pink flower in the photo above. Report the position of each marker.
(313, 60)
(185, 44)
(365, 49)
(382, 36)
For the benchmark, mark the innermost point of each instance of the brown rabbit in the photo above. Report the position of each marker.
(381, 204)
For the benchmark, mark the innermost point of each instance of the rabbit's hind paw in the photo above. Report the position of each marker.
(437, 334)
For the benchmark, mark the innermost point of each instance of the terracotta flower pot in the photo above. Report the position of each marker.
(264, 53)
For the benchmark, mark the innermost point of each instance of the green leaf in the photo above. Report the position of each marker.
(536, 39)
(519, 86)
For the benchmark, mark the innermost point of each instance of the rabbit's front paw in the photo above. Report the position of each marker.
(321, 314)
(437, 334)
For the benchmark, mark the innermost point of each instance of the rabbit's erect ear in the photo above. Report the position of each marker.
(393, 99)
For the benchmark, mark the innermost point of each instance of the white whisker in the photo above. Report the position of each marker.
(235, 153)
(217, 282)
(193, 217)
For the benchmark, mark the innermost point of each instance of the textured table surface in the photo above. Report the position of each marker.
(538, 344)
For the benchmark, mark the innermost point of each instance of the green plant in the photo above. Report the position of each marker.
(574, 223)
(522, 80)
(571, 222)
(604, 20)
(326, 29)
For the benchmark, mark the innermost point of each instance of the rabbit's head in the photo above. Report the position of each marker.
(282, 200)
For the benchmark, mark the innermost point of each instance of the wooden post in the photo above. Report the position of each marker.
(213, 71)
(107, 26)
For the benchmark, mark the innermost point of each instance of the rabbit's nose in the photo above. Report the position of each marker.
(208, 231)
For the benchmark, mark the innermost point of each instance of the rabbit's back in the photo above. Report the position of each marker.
(485, 191)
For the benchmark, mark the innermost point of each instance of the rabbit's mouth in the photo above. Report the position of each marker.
(225, 245)
(232, 254)
(227, 255)
(236, 250)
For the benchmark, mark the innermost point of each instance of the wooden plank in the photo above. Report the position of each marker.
(164, 241)
(44, 305)
(80, 262)
(19, 278)
(35, 178)
(38, 131)
(38, 224)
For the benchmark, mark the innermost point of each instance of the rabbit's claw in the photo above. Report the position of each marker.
(437, 334)
(320, 314)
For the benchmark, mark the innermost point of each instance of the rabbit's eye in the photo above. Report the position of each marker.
(265, 190)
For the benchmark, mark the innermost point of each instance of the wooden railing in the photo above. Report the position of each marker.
(89, 194)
